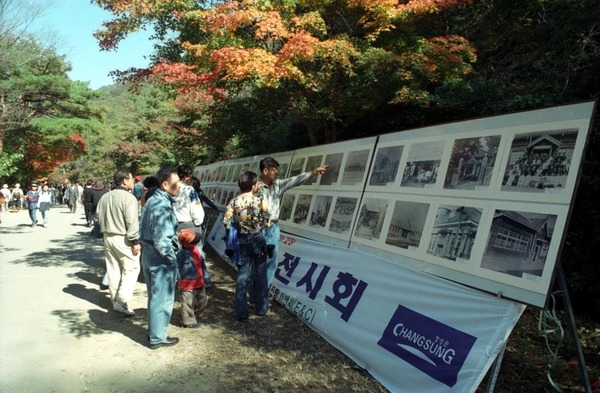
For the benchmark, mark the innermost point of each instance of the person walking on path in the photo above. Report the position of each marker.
(251, 215)
(191, 278)
(45, 201)
(158, 235)
(17, 197)
(32, 198)
(118, 218)
(6, 194)
(87, 202)
(272, 190)
(97, 192)
(72, 197)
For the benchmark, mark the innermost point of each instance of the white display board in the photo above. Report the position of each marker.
(483, 202)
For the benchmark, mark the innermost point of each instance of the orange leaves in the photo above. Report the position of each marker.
(239, 63)
(271, 26)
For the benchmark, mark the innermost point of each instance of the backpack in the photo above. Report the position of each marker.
(138, 190)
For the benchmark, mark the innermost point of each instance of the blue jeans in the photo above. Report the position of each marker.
(253, 266)
(272, 237)
(33, 214)
(161, 279)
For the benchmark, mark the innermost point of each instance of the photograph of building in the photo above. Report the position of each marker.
(518, 243)
(454, 232)
(370, 220)
(385, 167)
(406, 227)
(472, 162)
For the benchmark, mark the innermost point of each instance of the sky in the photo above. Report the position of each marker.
(71, 24)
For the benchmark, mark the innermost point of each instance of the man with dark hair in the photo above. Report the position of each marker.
(158, 235)
(87, 202)
(272, 190)
(118, 218)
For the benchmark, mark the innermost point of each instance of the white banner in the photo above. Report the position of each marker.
(412, 331)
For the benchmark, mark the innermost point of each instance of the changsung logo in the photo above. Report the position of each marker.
(436, 349)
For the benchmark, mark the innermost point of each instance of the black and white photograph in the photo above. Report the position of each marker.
(320, 211)
(422, 164)
(454, 231)
(334, 162)
(385, 167)
(539, 161)
(370, 219)
(343, 214)
(518, 243)
(302, 208)
(356, 165)
(472, 162)
(311, 163)
(297, 166)
(406, 226)
(287, 205)
(282, 171)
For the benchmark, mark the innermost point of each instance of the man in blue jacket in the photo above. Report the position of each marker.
(158, 235)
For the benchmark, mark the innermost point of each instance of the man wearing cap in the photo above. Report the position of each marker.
(32, 203)
(118, 218)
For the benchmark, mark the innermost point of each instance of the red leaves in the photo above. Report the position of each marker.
(45, 156)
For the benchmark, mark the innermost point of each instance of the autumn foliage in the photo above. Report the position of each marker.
(313, 51)
(45, 156)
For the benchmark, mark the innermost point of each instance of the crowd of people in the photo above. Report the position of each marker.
(157, 226)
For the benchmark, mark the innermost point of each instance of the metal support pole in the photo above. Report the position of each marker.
(495, 370)
(562, 282)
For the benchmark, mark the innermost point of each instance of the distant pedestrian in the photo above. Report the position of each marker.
(97, 192)
(32, 203)
(6, 195)
(45, 201)
(2, 207)
(191, 278)
(158, 235)
(118, 218)
(72, 197)
(87, 202)
(17, 197)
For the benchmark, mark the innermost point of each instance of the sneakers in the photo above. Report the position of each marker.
(168, 342)
(123, 309)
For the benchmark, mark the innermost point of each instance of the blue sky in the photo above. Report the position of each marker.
(71, 23)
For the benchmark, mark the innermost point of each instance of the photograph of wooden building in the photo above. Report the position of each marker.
(406, 226)
(518, 243)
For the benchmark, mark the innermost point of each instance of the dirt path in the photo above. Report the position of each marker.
(59, 333)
